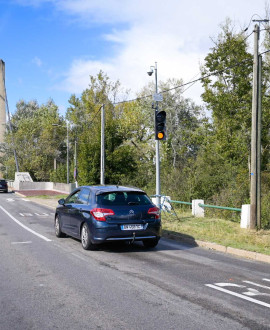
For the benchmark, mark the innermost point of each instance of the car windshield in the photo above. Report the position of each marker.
(123, 198)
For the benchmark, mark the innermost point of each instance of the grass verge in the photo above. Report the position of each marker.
(220, 231)
(54, 197)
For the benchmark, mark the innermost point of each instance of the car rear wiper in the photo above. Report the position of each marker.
(133, 203)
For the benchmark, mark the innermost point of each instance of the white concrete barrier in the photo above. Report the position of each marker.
(245, 216)
(197, 210)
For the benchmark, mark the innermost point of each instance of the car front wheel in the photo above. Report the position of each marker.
(85, 238)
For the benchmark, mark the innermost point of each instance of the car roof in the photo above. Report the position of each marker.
(112, 188)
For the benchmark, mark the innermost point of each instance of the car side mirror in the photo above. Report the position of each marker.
(61, 201)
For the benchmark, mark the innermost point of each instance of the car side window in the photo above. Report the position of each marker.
(73, 198)
(83, 197)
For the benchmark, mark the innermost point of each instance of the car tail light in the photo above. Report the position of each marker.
(101, 214)
(155, 211)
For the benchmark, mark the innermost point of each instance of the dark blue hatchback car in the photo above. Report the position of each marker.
(98, 214)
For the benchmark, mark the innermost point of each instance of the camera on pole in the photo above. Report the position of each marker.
(160, 125)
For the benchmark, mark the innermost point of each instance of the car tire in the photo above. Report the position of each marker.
(86, 240)
(151, 243)
(57, 227)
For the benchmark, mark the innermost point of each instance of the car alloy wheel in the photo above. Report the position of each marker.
(85, 238)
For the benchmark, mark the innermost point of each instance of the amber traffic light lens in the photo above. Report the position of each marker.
(160, 135)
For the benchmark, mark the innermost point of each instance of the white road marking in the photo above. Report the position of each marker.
(26, 200)
(27, 242)
(10, 200)
(258, 302)
(266, 279)
(256, 284)
(26, 214)
(230, 284)
(254, 292)
(25, 227)
(42, 214)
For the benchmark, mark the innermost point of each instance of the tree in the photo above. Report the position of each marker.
(84, 116)
(33, 138)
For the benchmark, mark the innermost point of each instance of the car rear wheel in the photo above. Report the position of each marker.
(85, 238)
(58, 232)
(151, 243)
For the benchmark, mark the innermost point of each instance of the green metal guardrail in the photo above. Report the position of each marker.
(221, 207)
(178, 202)
(203, 205)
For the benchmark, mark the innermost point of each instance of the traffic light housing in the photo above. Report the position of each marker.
(160, 125)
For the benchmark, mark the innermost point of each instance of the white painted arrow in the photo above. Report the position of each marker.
(253, 292)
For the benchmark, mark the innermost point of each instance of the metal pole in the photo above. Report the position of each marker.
(102, 149)
(259, 142)
(75, 161)
(157, 150)
(253, 174)
(67, 155)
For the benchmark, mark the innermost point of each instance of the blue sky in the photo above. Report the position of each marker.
(50, 47)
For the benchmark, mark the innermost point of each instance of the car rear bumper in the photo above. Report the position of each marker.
(105, 235)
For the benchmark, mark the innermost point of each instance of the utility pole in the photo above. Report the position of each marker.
(102, 153)
(254, 127)
(255, 170)
(259, 129)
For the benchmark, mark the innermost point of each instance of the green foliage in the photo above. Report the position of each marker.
(33, 138)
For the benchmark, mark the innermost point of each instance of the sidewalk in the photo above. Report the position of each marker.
(52, 203)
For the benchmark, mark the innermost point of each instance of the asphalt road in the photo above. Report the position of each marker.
(52, 283)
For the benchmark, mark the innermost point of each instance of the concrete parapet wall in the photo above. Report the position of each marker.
(27, 185)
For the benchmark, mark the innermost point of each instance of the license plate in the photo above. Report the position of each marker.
(132, 227)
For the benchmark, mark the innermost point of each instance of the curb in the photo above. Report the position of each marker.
(220, 248)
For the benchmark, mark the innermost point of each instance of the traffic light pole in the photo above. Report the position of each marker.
(157, 151)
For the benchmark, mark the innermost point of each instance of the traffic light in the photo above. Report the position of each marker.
(160, 125)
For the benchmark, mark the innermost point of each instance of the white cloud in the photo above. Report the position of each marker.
(175, 33)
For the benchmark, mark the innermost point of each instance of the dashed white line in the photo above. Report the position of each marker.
(27, 242)
(25, 227)
(258, 302)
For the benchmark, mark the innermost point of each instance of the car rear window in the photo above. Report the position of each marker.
(3, 181)
(123, 198)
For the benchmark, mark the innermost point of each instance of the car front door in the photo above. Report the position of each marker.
(80, 211)
(68, 211)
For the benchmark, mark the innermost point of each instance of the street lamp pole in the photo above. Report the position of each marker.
(67, 154)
